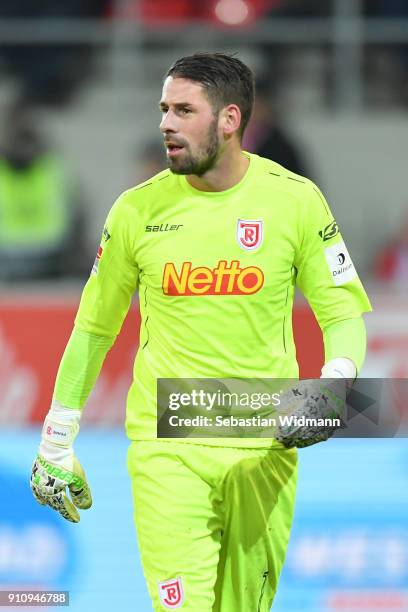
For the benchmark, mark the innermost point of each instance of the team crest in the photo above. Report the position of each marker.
(249, 234)
(171, 593)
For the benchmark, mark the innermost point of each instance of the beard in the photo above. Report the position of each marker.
(203, 160)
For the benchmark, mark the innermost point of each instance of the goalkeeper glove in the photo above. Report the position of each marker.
(317, 399)
(57, 468)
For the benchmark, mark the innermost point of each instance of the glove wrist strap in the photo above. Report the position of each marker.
(340, 367)
(61, 426)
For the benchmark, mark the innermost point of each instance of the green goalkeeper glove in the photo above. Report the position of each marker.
(317, 399)
(57, 468)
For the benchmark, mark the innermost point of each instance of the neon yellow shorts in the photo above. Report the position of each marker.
(213, 523)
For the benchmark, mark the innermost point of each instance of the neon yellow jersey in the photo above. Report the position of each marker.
(216, 273)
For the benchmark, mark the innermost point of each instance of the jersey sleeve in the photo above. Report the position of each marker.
(114, 278)
(325, 271)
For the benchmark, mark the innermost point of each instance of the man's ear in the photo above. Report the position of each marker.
(230, 119)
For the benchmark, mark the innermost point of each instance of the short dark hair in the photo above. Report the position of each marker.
(225, 79)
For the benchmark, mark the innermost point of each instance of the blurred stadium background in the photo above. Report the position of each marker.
(79, 85)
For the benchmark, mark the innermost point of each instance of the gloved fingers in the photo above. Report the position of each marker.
(315, 440)
(302, 442)
(62, 504)
(81, 497)
(39, 498)
(302, 437)
(57, 501)
(287, 442)
(79, 488)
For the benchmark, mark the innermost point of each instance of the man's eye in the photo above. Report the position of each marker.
(185, 111)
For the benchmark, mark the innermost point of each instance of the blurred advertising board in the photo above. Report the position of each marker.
(33, 335)
(387, 335)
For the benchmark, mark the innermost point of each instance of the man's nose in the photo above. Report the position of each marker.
(168, 123)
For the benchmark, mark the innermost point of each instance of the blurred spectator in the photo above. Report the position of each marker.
(49, 73)
(386, 66)
(392, 262)
(266, 134)
(41, 224)
(149, 161)
(302, 64)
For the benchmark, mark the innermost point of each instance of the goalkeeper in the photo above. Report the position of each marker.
(216, 245)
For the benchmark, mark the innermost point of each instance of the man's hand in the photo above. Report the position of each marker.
(49, 482)
(312, 399)
(57, 468)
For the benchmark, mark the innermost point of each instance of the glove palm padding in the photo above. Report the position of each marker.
(49, 484)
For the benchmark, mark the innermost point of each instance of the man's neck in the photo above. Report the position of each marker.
(228, 171)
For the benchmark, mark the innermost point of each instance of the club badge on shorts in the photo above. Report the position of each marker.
(171, 593)
(249, 234)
